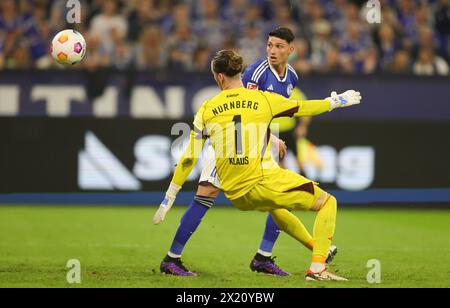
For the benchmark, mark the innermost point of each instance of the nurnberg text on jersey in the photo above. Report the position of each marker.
(235, 105)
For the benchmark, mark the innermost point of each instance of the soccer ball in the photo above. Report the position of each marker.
(68, 47)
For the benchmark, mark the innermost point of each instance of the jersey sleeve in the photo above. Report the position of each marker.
(199, 126)
(312, 107)
(281, 106)
(192, 151)
(188, 160)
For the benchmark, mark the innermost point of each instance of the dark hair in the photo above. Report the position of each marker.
(227, 62)
(283, 33)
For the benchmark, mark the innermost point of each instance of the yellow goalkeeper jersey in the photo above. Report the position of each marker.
(237, 122)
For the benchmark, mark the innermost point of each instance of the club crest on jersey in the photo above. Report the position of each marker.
(252, 86)
(290, 88)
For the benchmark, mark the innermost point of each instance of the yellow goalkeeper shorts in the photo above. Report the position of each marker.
(280, 189)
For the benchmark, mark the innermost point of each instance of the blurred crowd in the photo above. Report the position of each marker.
(332, 35)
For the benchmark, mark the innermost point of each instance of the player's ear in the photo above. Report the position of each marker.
(291, 48)
(222, 77)
(219, 79)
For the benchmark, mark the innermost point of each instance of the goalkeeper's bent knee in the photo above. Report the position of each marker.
(323, 199)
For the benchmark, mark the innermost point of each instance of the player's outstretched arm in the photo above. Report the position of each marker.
(182, 171)
(315, 107)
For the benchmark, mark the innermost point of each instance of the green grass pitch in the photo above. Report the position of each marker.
(119, 247)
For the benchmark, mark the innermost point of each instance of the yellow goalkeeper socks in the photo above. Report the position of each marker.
(290, 224)
(324, 227)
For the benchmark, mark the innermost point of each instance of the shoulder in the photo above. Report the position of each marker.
(271, 96)
(257, 65)
(254, 72)
(292, 72)
(201, 114)
(207, 104)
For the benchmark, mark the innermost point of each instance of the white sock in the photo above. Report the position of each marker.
(317, 267)
(172, 255)
(264, 253)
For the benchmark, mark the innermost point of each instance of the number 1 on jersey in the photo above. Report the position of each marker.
(238, 134)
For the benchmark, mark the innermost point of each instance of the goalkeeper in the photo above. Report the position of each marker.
(272, 74)
(249, 176)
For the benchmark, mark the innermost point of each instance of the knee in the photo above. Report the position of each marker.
(323, 199)
(208, 190)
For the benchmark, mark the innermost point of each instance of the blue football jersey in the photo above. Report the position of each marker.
(261, 76)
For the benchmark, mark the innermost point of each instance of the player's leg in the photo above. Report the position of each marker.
(311, 197)
(301, 233)
(271, 234)
(292, 225)
(285, 220)
(204, 199)
(263, 262)
(324, 227)
(283, 191)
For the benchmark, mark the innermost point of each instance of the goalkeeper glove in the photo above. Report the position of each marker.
(167, 203)
(348, 98)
